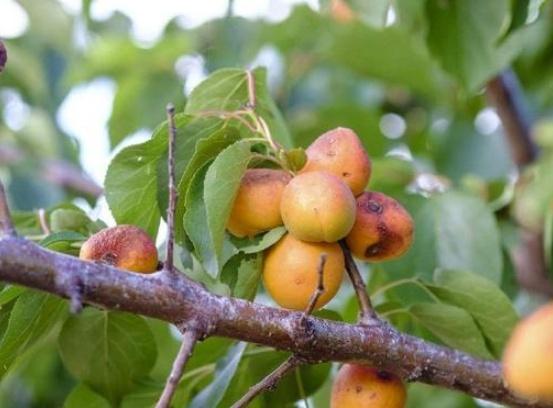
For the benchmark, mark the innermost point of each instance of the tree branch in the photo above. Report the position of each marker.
(179, 300)
(188, 341)
(6, 225)
(3, 56)
(268, 382)
(505, 94)
(366, 311)
(168, 266)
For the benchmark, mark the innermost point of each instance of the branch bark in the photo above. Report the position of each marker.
(177, 299)
(3, 56)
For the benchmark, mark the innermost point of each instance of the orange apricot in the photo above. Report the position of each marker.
(340, 152)
(317, 207)
(358, 386)
(291, 272)
(256, 207)
(383, 229)
(124, 246)
(528, 356)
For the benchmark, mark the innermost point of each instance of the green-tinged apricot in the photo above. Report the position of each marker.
(124, 246)
(358, 386)
(291, 272)
(317, 207)
(256, 207)
(340, 152)
(383, 229)
(528, 356)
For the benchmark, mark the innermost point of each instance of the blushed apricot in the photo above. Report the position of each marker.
(291, 272)
(383, 229)
(124, 246)
(358, 386)
(256, 207)
(528, 356)
(340, 152)
(317, 207)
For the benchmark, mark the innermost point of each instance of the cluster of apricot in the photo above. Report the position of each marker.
(324, 203)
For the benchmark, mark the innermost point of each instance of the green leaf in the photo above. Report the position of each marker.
(488, 305)
(108, 351)
(220, 187)
(32, 318)
(130, 185)
(67, 219)
(65, 236)
(462, 35)
(83, 397)
(205, 150)
(242, 273)
(227, 90)
(259, 242)
(226, 368)
(452, 325)
(10, 292)
(452, 231)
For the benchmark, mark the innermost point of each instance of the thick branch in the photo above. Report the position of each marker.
(268, 382)
(177, 299)
(188, 341)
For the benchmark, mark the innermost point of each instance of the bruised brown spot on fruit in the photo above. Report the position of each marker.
(256, 206)
(290, 271)
(124, 246)
(341, 153)
(383, 229)
(318, 207)
(528, 356)
(359, 386)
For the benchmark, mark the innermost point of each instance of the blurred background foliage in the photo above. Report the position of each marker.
(408, 76)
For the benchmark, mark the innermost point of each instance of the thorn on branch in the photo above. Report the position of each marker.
(168, 266)
(43, 221)
(269, 382)
(319, 289)
(366, 311)
(188, 341)
(6, 226)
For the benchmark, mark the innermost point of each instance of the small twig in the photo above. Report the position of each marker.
(168, 266)
(319, 289)
(251, 89)
(43, 221)
(366, 311)
(188, 341)
(269, 382)
(6, 225)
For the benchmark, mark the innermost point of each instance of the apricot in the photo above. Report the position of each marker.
(291, 272)
(357, 386)
(383, 229)
(340, 152)
(124, 246)
(256, 207)
(318, 207)
(528, 356)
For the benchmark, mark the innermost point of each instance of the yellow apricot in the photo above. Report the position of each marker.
(357, 386)
(256, 207)
(528, 356)
(340, 152)
(291, 272)
(317, 207)
(383, 229)
(124, 246)
(341, 11)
